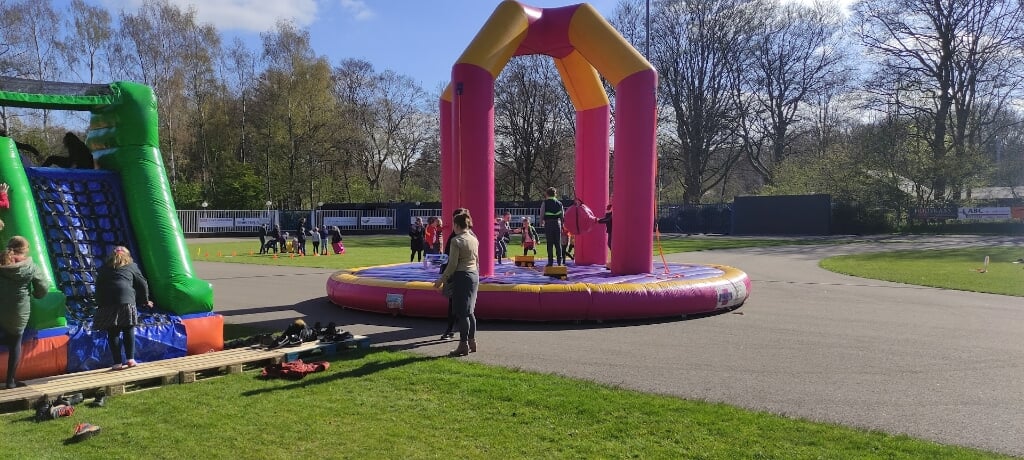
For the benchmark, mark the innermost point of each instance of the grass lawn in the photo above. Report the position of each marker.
(943, 268)
(381, 404)
(361, 251)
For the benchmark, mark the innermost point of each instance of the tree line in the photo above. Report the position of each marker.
(898, 102)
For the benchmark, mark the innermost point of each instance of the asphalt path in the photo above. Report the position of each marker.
(936, 364)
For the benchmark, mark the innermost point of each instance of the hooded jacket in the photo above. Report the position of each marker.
(120, 286)
(17, 282)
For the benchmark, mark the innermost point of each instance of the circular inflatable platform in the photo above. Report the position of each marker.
(589, 292)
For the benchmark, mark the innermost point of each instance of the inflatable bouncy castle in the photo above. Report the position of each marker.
(73, 218)
(584, 47)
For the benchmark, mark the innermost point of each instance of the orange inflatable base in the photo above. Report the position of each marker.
(204, 334)
(40, 357)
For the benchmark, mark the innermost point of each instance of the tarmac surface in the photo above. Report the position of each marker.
(941, 365)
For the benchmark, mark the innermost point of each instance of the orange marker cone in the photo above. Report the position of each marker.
(233, 254)
(219, 254)
(275, 255)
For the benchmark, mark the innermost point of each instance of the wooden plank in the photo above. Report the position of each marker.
(185, 369)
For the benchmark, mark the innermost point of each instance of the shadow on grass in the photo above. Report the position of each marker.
(406, 333)
(368, 368)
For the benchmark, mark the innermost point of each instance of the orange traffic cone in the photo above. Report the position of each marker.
(275, 255)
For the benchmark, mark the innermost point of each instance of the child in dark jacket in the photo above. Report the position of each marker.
(120, 287)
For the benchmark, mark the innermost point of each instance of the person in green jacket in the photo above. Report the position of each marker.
(19, 278)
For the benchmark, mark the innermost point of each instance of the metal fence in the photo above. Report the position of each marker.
(225, 220)
(228, 222)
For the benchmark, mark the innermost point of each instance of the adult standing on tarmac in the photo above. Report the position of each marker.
(552, 211)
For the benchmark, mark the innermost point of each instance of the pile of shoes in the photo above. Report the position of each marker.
(258, 340)
(298, 333)
(331, 334)
(63, 406)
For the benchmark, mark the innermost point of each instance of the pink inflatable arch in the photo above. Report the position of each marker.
(582, 44)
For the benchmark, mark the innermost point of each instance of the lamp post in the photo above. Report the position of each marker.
(202, 220)
(316, 216)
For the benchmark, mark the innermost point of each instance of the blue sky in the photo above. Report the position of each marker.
(418, 38)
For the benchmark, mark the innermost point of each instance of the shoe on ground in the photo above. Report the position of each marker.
(100, 401)
(71, 399)
(462, 350)
(43, 409)
(84, 431)
(61, 410)
(117, 367)
(131, 363)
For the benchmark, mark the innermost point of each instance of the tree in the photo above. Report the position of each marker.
(796, 55)
(295, 100)
(88, 37)
(533, 137)
(952, 56)
(699, 49)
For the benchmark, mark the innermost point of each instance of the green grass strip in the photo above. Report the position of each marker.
(380, 404)
(362, 251)
(941, 268)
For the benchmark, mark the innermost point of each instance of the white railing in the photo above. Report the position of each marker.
(225, 221)
(220, 221)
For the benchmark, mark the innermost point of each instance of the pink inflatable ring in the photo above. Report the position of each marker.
(590, 292)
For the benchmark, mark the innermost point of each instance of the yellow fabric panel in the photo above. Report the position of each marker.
(534, 288)
(498, 39)
(581, 82)
(603, 46)
(447, 94)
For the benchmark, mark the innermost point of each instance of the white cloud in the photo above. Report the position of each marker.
(358, 8)
(243, 15)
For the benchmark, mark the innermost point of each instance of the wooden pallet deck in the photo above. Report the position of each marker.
(186, 369)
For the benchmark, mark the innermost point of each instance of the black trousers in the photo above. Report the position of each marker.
(13, 344)
(553, 235)
(121, 338)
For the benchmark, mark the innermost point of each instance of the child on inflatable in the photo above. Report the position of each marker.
(529, 237)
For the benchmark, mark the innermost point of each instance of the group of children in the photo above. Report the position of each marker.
(276, 240)
(503, 231)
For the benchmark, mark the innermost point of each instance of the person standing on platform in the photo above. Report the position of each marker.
(607, 221)
(552, 212)
(19, 279)
(417, 234)
(120, 287)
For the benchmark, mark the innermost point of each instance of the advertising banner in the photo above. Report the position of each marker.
(370, 221)
(216, 222)
(983, 213)
(935, 213)
(342, 221)
(251, 221)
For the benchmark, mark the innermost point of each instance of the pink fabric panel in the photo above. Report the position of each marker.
(592, 180)
(474, 146)
(564, 306)
(549, 35)
(507, 305)
(358, 297)
(448, 180)
(425, 303)
(635, 169)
